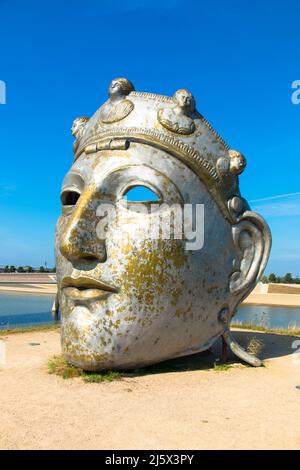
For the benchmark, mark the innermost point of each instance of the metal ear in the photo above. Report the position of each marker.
(252, 239)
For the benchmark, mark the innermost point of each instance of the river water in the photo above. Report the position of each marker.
(21, 310)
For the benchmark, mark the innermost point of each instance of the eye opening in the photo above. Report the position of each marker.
(141, 193)
(69, 197)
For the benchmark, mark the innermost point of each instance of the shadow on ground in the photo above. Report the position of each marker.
(272, 346)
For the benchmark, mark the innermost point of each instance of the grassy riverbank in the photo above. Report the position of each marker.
(290, 331)
(28, 329)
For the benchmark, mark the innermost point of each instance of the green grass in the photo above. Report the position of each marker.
(59, 366)
(290, 331)
(96, 377)
(222, 366)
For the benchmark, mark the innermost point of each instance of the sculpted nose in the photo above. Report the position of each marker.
(79, 241)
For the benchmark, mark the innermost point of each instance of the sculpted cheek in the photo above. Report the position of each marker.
(153, 269)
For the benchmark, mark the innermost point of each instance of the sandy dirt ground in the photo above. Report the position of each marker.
(195, 407)
(30, 288)
(283, 300)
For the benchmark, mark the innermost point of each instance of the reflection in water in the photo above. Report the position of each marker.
(269, 317)
(17, 310)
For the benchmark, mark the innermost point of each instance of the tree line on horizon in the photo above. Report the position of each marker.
(27, 269)
(286, 279)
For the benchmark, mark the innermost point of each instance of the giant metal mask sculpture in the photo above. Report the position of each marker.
(132, 293)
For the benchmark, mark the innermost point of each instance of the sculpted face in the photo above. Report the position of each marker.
(184, 99)
(127, 298)
(76, 126)
(142, 283)
(120, 87)
(115, 88)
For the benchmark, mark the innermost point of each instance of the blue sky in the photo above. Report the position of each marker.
(57, 58)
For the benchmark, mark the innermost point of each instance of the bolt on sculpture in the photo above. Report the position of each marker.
(129, 295)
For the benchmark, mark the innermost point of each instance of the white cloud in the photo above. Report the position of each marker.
(278, 196)
(281, 205)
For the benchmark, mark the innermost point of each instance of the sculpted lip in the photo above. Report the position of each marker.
(86, 288)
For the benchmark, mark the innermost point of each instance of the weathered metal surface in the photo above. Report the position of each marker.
(126, 299)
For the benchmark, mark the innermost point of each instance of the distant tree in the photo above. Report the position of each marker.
(296, 280)
(264, 280)
(272, 278)
(53, 270)
(42, 269)
(12, 269)
(20, 269)
(6, 269)
(30, 269)
(288, 278)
